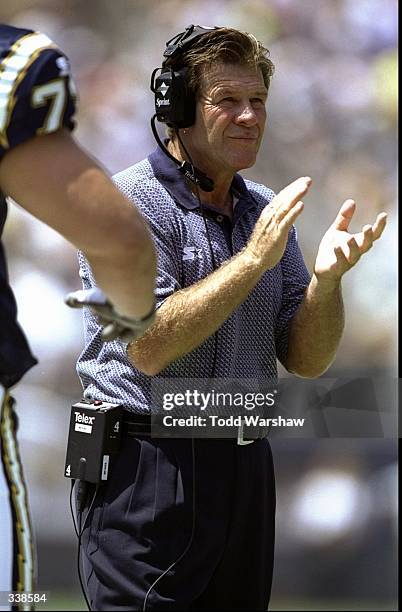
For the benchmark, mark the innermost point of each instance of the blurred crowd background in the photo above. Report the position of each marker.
(332, 115)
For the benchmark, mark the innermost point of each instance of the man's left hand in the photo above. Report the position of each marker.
(340, 250)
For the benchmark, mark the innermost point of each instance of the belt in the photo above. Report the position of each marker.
(134, 425)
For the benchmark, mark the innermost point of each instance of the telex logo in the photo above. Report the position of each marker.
(83, 422)
(83, 418)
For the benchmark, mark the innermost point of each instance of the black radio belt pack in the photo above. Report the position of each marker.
(94, 437)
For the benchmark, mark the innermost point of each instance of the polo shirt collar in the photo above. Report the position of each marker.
(167, 173)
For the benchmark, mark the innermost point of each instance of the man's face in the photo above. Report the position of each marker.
(230, 118)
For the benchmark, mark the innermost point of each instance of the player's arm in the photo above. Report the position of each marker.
(55, 180)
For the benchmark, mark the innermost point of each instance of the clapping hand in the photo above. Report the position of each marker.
(340, 250)
(269, 238)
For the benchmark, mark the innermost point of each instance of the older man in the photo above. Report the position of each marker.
(189, 524)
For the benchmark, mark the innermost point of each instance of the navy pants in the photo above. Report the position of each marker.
(143, 520)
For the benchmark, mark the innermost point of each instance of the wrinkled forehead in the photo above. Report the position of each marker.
(230, 76)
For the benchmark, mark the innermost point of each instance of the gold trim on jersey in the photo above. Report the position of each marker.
(19, 498)
(12, 71)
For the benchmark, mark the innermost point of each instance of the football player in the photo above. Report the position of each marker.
(51, 176)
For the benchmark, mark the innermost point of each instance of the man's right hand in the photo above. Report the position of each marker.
(269, 238)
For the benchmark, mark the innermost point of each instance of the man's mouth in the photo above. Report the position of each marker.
(245, 138)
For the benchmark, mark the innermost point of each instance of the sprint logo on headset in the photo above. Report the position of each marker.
(162, 102)
(163, 89)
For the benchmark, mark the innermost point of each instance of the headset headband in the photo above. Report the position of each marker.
(182, 41)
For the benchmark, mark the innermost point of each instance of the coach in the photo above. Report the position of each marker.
(189, 524)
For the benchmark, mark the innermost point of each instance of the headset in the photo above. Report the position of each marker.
(174, 101)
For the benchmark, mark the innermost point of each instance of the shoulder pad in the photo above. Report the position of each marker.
(37, 94)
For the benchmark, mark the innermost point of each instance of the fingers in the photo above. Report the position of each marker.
(354, 252)
(359, 244)
(347, 258)
(356, 246)
(370, 233)
(344, 215)
(289, 196)
(291, 216)
(341, 258)
(373, 232)
(367, 240)
(110, 332)
(379, 225)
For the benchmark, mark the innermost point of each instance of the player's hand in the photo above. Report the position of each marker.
(340, 250)
(114, 325)
(269, 238)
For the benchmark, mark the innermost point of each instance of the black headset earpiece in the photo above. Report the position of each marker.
(174, 102)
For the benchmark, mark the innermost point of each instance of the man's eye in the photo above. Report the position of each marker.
(258, 101)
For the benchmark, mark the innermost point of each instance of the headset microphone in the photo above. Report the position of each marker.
(193, 174)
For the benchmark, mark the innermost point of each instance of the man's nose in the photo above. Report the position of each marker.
(246, 114)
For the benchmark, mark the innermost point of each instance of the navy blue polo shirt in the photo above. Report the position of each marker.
(250, 341)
